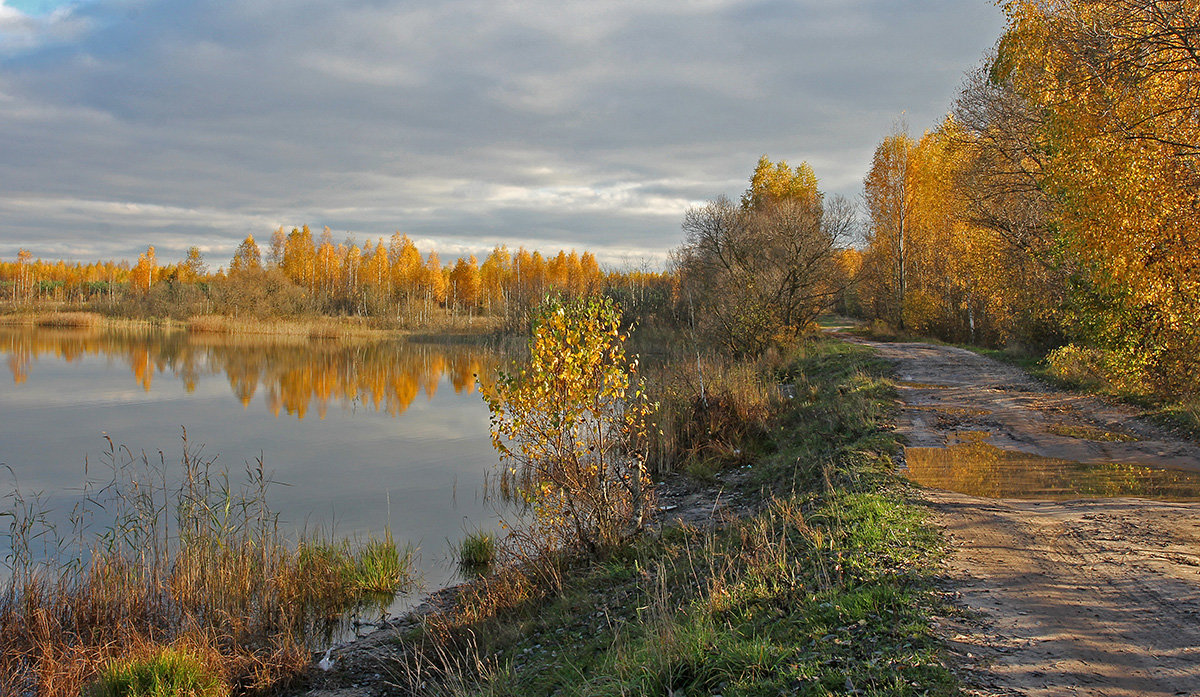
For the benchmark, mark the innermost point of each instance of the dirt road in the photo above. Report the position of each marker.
(1098, 596)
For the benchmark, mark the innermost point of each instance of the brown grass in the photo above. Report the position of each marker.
(310, 328)
(73, 320)
(64, 320)
(710, 410)
(197, 560)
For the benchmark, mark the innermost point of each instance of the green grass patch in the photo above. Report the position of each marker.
(379, 566)
(477, 552)
(167, 672)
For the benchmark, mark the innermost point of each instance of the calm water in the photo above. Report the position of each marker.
(970, 465)
(361, 433)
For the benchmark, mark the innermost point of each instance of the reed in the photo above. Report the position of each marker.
(72, 320)
(60, 319)
(180, 555)
(208, 324)
(316, 327)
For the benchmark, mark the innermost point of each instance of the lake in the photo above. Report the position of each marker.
(358, 434)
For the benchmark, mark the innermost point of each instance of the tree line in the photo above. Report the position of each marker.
(298, 273)
(1057, 205)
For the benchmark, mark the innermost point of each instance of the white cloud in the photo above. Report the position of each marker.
(464, 122)
(21, 32)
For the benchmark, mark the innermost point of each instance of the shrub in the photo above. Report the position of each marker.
(570, 428)
(1097, 369)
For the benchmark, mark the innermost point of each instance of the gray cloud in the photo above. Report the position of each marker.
(465, 122)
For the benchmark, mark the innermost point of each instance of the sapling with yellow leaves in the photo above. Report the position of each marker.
(571, 428)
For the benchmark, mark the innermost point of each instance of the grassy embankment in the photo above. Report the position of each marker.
(189, 581)
(1076, 371)
(823, 587)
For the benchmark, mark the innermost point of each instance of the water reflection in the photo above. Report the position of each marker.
(969, 465)
(295, 375)
(402, 441)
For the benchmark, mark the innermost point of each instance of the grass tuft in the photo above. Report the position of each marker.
(477, 552)
(379, 567)
(162, 672)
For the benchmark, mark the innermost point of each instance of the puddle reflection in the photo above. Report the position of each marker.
(969, 465)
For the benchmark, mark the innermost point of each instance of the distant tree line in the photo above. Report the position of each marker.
(300, 275)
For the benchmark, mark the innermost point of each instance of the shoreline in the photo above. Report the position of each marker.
(454, 330)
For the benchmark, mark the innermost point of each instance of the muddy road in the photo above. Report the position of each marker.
(1074, 530)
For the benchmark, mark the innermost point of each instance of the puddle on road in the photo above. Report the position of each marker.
(972, 466)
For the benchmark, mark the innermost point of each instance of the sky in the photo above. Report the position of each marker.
(550, 124)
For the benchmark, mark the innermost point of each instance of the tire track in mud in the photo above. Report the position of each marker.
(1097, 597)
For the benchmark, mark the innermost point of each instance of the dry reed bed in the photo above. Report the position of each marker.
(321, 328)
(187, 560)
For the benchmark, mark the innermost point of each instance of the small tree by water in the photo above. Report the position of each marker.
(571, 426)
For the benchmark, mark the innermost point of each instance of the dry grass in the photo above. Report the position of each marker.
(62, 320)
(73, 320)
(187, 557)
(316, 328)
(710, 412)
(77, 320)
(438, 326)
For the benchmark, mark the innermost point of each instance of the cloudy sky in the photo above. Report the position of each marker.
(589, 124)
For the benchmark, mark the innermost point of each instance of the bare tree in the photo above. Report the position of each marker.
(758, 275)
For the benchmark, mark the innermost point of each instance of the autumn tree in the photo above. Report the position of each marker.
(246, 258)
(1088, 111)
(465, 282)
(23, 282)
(571, 426)
(757, 274)
(889, 197)
(141, 276)
(405, 266)
(192, 268)
(495, 278)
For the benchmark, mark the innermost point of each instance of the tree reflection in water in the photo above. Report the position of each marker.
(294, 374)
(969, 465)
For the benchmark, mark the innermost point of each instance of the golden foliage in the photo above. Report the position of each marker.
(571, 429)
